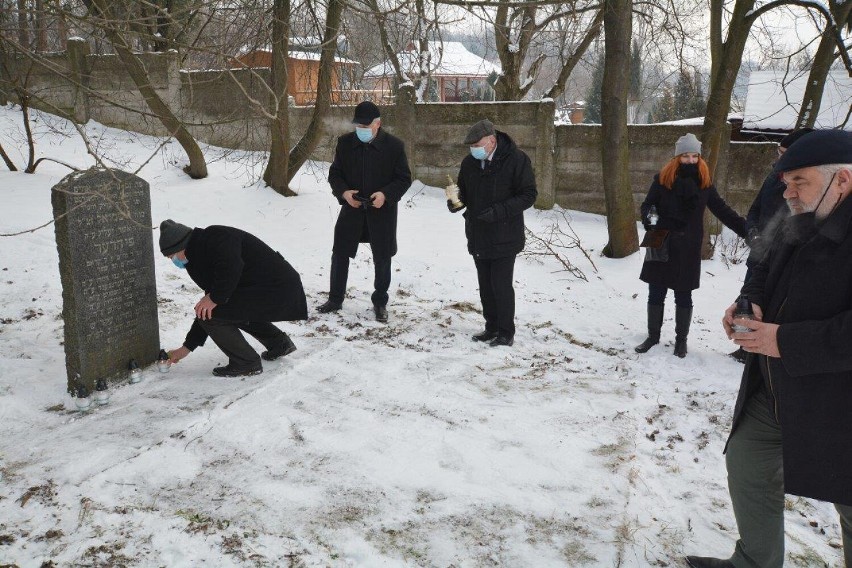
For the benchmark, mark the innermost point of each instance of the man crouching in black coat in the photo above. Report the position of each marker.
(246, 284)
(496, 183)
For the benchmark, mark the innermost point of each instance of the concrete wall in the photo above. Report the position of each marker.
(228, 108)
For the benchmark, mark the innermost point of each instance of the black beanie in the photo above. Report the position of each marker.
(173, 237)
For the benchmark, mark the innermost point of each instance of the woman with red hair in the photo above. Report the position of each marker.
(680, 193)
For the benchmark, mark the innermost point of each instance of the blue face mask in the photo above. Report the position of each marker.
(179, 263)
(364, 134)
(478, 152)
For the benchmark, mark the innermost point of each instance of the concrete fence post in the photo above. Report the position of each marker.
(405, 125)
(77, 52)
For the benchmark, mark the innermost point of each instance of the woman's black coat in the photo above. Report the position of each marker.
(246, 278)
(681, 210)
(506, 184)
(379, 165)
(805, 285)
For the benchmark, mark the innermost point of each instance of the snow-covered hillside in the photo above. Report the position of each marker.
(403, 444)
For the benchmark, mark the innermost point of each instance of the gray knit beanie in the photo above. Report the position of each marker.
(173, 237)
(687, 144)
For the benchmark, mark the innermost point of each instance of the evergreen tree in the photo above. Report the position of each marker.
(684, 94)
(699, 103)
(664, 108)
(593, 99)
(635, 92)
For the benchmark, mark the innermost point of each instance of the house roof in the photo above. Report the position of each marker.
(303, 55)
(448, 58)
(775, 97)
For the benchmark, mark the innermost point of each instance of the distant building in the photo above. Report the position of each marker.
(303, 74)
(455, 74)
(775, 97)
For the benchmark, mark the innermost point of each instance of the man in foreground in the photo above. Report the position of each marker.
(791, 425)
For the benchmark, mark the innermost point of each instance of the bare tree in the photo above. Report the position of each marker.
(103, 14)
(276, 173)
(615, 156)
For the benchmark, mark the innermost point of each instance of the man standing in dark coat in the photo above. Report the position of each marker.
(246, 284)
(496, 184)
(792, 420)
(767, 212)
(369, 175)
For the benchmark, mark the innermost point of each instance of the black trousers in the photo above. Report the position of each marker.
(340, 274)
(227, 337)
(497, 293)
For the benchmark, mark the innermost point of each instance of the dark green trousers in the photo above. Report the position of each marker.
(756, 484)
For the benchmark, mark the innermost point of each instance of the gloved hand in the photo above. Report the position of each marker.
(489, 215)
(454, 209)
(647, 224)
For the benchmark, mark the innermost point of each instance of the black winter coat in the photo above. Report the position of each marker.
(765, 215)
(805, 285)
(246, 278)
(681, 210)
(379, 165)
(507, 184)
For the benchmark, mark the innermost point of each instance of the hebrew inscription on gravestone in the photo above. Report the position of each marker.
(106, 263)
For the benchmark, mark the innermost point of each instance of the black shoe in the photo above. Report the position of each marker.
(707, 562)
(739, 355)
(680, 348)
(329, 306)
(381, 314)
(484, 336)
(230, 371)
(286, 348)
(501, 340)
(646, 345)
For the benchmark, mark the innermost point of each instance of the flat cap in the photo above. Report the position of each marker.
(478, 130)
(817, 148)
(173, 237)
(365, 113)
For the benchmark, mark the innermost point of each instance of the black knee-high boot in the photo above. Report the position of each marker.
(655, 323)
(683, 317)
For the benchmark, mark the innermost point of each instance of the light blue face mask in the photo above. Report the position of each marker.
(179, 263)
(364, 134)
(478, 152)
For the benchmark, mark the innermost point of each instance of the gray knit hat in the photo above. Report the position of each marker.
(173, 237)
(687, 144)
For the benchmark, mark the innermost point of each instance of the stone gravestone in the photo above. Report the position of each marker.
(106, 262)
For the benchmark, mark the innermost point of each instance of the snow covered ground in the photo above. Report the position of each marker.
(403, 444)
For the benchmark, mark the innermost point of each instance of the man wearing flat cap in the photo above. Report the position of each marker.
(766, 214)
(369, 175)
(792, 420)
(496, 184)
(247, 286)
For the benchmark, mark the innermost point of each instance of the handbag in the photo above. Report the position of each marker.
(656, 244)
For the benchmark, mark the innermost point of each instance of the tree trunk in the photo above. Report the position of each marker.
(310, 140)
(40, 26)
(9, 163)
(512, 54)
(823, 60)
(197, 167)
(725, 65)
(23, 25)
(620, 209)
(275, 174)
